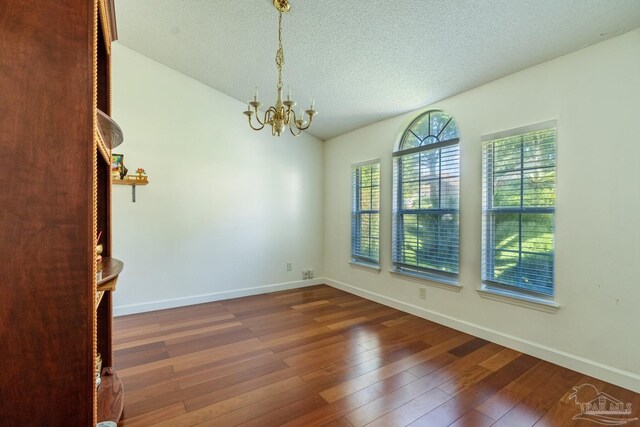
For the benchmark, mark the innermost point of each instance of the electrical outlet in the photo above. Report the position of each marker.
(423, 293)
(305, 274)
(289, 266)
(310, 274)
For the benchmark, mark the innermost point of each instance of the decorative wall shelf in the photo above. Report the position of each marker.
(108, 270)
(133, 181)
(108, 130)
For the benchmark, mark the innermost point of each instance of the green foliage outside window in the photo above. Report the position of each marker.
(426, 194)
(519, 199)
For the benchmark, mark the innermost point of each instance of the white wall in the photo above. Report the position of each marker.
(595, 96)
(226, 207)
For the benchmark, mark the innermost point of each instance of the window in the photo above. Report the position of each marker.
(426, 198)
(365, 213)
(519, 180)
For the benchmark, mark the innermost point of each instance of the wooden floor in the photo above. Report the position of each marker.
(320, 356)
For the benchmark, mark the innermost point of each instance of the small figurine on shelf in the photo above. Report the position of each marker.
(141, 175)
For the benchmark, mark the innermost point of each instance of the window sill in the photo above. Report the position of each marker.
(374, 268)
(514, 298)
(433, 280)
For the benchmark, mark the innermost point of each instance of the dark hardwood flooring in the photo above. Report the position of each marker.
(320, 356)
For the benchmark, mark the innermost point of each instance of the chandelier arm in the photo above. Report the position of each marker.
(308, 124)
(292, 132)
(258, 128)
(258, 119)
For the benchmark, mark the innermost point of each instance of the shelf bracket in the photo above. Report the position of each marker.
(131, 182)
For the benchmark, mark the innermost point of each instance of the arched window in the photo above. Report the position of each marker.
(426, 198)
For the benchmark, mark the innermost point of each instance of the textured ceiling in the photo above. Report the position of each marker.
(364, 61)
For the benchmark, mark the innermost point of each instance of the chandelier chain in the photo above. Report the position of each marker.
(280, 52)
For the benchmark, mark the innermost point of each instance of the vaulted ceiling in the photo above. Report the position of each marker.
(364, 61)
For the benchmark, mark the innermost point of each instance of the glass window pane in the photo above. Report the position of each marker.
(410, 167)
(429, 194)
(450, 132)
(375, 175)
(449, 192)
(420, 127)
(448, 242)
(539, 150)
(507, 155)
(429, 164)
(365, 174)
(375, 198)
(536, 273)
(431, 127)
(539, 188)
(506, 267)
(365, 227)
(365, 199)
(410, 195)
(410, 141)
(409, 246)
(438, 122)
(427, 241)
(506, 189)
(537, 233)
(450, 160)
(507, 231)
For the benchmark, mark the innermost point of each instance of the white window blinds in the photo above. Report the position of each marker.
(365, 213)
(426, 197)
(519, 178)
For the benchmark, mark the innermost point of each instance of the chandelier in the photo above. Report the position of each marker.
(282, 115)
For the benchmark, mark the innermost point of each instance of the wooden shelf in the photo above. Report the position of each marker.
(128, 182)
(110, 396)
(131, 182)
(109, 269)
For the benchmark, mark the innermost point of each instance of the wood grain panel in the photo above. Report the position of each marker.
(46, 214)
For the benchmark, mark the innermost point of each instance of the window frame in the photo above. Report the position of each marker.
(488, 248)
(356, 196)
(399, 210)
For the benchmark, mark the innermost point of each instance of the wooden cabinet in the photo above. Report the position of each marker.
(55, 196)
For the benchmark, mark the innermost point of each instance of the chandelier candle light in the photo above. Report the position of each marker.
(282, 115)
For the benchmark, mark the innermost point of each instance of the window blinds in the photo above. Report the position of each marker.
(519, 177)
(365, 218)
(426, 201)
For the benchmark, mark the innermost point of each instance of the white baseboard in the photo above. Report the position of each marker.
(589, 367)
(215, 296)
